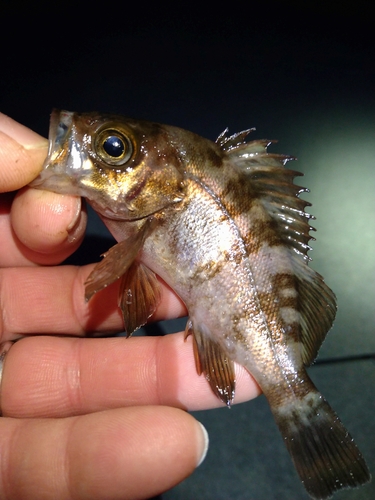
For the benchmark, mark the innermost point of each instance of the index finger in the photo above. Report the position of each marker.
(51, 300)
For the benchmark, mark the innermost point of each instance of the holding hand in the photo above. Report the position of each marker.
(83, 418)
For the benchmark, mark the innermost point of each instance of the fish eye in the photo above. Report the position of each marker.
(113, 147)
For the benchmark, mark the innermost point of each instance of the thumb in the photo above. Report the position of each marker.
(22, 153)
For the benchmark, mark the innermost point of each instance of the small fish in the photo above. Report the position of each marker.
(222, 223)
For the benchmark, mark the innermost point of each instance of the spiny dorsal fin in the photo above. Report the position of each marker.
(211, 360)
(280, 198)
(254, 151)
(139, 296)
(227, 143)
(267, 180)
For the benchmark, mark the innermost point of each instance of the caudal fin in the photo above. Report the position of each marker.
(324, 454)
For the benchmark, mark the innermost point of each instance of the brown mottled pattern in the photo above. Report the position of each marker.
(241, 201)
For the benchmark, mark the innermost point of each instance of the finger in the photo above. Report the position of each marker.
(50, 377)
(22, 153)
(50, 300)
(48, 227)
(130, 453)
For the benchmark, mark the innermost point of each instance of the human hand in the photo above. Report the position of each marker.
(83, 418)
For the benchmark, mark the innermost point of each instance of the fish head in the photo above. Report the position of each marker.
(127, 169)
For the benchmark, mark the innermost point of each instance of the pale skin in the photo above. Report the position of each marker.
(119, 426)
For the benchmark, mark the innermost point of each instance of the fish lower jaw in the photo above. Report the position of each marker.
(56, 183)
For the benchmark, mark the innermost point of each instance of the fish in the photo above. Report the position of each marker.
(223, 224)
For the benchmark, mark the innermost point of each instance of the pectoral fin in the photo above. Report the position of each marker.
(116, 261)
(211, 360)
(139, 296)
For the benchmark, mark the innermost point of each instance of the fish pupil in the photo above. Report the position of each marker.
(114, 146)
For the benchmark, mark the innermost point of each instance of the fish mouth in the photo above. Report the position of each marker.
(64, 158)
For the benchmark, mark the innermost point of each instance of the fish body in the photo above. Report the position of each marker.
(222, 223)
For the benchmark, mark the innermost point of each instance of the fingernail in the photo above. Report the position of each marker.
(76, 228)
(76, 212)
(204, 443)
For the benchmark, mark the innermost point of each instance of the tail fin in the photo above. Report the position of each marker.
(323, 452)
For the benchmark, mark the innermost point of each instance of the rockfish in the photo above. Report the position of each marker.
(222, 224)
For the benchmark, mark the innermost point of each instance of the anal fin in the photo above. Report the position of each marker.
(211, 360)
(139, 296)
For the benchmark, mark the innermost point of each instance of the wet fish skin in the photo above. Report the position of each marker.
(222, 223)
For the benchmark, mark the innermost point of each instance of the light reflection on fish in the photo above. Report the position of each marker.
(222, 223)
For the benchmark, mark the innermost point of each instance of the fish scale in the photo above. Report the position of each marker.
(222, 223)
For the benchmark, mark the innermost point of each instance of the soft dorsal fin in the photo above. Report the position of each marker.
(270, 184)
(211, 360)
(317, 311)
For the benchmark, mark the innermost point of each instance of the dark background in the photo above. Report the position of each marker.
(302, 73)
